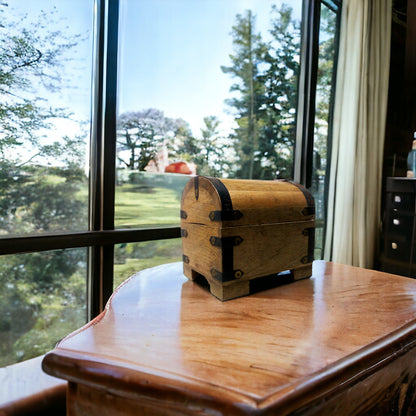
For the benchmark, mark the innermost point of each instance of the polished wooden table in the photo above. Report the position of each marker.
(340, 343)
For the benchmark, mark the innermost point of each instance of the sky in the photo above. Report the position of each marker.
(170, 54)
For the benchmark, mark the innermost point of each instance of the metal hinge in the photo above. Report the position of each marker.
(236, 274)
(225, 241)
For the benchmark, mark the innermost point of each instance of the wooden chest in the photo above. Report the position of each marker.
(235, 232)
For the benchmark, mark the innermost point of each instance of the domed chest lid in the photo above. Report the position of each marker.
(235, 202)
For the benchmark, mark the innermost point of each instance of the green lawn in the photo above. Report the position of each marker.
(150, 201)
(132, 266)
(138, 207)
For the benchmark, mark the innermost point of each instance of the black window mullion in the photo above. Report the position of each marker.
(103, 148)
(110, 117)
(109, 151)
(331, 112)
(59, 240)
(307, 92)
(93, 286)
(97, 117)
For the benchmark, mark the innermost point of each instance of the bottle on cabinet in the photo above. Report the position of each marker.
(411, 159)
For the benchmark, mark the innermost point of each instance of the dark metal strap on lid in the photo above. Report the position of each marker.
(226, 203)
(308, 211)
(196, 187)
(227, 212)
(310, 201)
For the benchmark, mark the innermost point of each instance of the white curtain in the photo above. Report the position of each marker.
(358, 132)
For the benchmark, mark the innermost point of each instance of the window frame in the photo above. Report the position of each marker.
(309, 57)
(101, 237)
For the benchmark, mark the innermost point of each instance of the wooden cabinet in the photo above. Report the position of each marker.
(340, 343)
(399, 227)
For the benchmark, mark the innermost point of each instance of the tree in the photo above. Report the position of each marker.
(40, 178)
(208, 151)
(186, 147)
(249, 51)
(31, 62)
(324, 81)
(213, 148)
(142, 134)
(280, 79)
(42, 295)
(31, 58)
(266, 84)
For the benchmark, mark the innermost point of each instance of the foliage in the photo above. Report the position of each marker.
(324, 81)
(266, 83)
(185, 146)
(213, 149)
(31, 59)
(281, 79)
(249, 52)
(146, 134)
(43, 199)
(143, 134)
(208, 152)
(134, 257)
(41, 179)
(43, 299)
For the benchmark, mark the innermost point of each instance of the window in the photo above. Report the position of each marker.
(320, 28)
(186, 103)
(91, 145)
(45, 100)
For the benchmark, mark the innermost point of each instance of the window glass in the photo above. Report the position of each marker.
(133, 257)
(45, 78)
(324, 93)
(206, 87)
(42, 299)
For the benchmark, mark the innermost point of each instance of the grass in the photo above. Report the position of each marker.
(133, 257)
(142, 205)
(132, 266)
(137, 207)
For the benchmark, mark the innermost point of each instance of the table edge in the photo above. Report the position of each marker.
(136, 381)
